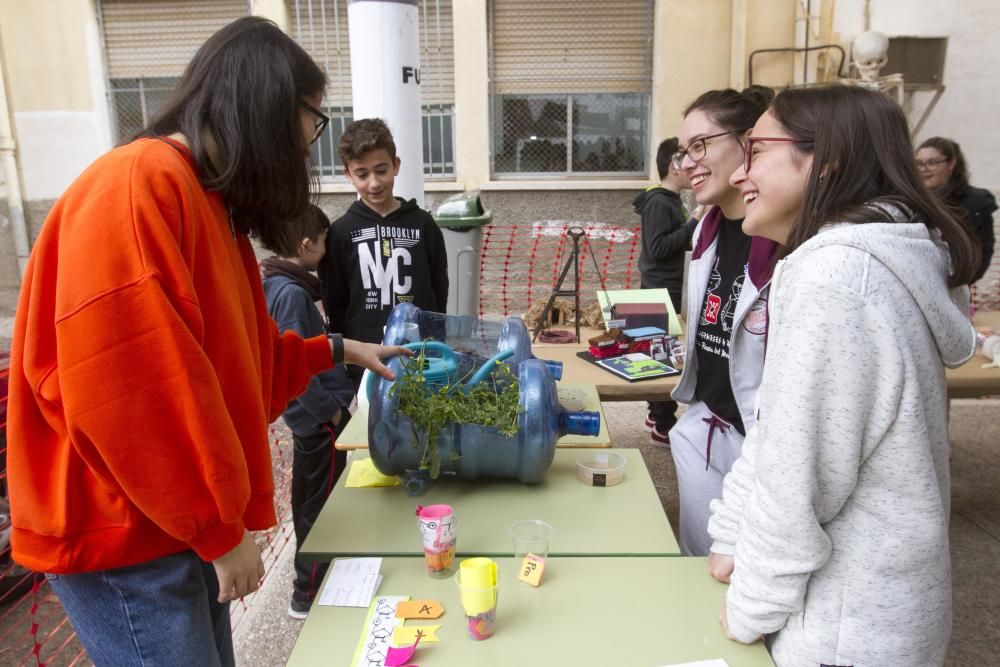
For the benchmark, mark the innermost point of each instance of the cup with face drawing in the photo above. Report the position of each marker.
(439, 531)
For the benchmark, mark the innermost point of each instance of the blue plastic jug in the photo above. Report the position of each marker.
(482, 451)
(464, 334)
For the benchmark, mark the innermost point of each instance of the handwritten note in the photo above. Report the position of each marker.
(352, 582)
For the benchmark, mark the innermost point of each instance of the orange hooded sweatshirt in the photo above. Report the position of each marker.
(144, 373)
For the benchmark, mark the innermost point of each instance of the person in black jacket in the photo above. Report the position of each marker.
(666, 235)
(943, 169)
(384, 250)
(319, 415)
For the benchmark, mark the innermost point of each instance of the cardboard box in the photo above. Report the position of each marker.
(641, 315)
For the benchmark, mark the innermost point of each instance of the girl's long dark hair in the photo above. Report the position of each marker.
(242, 89)
(862, 154)
(958, 185)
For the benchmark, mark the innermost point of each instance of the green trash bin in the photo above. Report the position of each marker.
(461, 218)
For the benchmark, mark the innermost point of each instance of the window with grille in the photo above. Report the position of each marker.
(570, 84)
(321, 27)
(148, 43)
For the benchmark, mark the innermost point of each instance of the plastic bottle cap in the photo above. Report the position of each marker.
(580, 423)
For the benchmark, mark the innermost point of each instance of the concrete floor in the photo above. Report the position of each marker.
(266, 634)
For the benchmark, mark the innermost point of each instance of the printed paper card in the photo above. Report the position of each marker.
(637, 366)
(352, 582)
(376, 635)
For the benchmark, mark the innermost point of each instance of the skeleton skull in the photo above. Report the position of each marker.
(870, 54)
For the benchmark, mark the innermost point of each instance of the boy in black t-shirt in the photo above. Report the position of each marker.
(384, 250)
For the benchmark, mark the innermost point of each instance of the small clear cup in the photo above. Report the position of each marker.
(531, 537)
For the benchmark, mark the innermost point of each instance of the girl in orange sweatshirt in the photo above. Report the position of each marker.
(145, 369)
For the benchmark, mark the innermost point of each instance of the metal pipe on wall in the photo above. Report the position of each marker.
(12, 172)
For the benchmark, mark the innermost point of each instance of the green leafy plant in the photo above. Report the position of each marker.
(493, 403)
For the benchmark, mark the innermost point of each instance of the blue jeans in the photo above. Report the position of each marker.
(163, 612)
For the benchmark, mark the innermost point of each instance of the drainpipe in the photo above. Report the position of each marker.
(12, 174)
(738, 45)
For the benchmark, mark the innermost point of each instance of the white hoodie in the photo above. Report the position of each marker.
(839, 504)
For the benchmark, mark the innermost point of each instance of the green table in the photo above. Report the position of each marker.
(588, 612)
(622, 520)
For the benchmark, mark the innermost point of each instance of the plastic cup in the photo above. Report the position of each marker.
(531, 537)
(439, 533)
(478, 590)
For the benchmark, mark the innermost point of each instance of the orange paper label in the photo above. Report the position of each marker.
(419, 609)
(531, 570)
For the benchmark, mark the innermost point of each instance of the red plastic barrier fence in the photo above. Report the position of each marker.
(520, 265)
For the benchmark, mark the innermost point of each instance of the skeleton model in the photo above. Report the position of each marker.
(870, 52)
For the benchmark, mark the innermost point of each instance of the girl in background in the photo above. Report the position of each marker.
(942, 166)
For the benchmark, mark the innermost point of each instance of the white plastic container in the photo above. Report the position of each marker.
(600, 468)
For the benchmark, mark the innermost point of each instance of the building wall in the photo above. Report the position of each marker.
(56, 80)
(53, 55)
(967, 110)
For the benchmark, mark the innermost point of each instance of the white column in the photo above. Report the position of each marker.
(385, 80)
(738, 45)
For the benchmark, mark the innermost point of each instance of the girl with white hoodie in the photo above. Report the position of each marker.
(836, 513)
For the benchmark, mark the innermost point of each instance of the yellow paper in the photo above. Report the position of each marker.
(364, 474)
(407, 635)
(477, 584)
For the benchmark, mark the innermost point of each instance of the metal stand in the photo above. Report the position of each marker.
(575, 233)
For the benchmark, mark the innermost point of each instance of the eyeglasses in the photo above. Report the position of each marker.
(930, 164)
(748, 150)
(697, 149)
(322, 120)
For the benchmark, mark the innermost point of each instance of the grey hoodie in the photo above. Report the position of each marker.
(838, 506)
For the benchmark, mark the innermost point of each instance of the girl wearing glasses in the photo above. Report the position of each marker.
(145, 368)
(838, 507)
(942, 166)
(727, 319)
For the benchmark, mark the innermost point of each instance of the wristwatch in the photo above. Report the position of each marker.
(337, 344)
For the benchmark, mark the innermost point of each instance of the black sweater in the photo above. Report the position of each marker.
(372, 263)
(665, 237)
(979, 205)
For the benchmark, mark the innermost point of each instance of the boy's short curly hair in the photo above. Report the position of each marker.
(364, 136)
